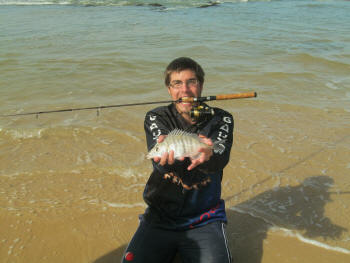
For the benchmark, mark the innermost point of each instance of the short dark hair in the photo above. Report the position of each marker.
(184, 63)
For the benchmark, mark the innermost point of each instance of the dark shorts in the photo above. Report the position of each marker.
(206, 244)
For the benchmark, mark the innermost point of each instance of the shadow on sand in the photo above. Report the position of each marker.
(297, 208)
(113, 256)
(292, 207)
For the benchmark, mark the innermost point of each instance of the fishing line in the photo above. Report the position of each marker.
(98, 108)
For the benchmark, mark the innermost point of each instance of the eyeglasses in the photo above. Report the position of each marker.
(178, 84)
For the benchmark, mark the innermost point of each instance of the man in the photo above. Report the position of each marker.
(185, 212)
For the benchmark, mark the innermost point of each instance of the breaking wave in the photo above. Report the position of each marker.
(156, 4)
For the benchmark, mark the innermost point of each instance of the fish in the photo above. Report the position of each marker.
(184, 144)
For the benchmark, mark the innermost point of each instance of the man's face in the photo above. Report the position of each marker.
(184, 84)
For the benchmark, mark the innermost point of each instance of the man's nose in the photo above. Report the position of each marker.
(185, 86)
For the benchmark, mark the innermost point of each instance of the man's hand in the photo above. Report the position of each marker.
(166, 157)
(205, 153)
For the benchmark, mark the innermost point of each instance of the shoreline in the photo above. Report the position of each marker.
(102, 236)
(286, 176)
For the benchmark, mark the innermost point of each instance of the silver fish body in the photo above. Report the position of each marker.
(183, 144)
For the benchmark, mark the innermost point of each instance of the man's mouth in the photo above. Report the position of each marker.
(185, 100)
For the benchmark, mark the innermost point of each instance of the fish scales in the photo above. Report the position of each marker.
(184, 144)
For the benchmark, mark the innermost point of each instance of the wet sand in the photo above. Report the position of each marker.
(286, 190)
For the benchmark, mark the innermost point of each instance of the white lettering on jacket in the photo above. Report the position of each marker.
(153, 126)
(223, 133)
(227, 119)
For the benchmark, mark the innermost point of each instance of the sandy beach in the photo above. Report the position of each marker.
(71, 183)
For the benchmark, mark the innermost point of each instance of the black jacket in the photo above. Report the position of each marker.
(170, 205)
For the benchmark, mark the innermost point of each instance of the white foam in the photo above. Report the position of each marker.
(3, 173)
(25, 134)
(331, 86)
(313, 242)
(128, 173)
(84, 158)
(293, 233)
(33, 3)
(242, 211)
(121, 205)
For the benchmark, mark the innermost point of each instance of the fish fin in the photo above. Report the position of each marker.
(178, 132)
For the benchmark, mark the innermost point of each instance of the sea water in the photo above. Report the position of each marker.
(290, 156)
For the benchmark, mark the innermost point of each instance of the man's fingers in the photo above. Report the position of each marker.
(194, 163)
(161, 138)
(156, 159)
(206, 153)
(171, 159)
(167, 158)
(163, 159)
(205, 140)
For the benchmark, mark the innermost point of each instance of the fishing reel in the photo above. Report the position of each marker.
(200, 112)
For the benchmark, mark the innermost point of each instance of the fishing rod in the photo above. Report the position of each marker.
(184, 99)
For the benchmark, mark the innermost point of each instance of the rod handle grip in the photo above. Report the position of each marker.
(236, 96)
